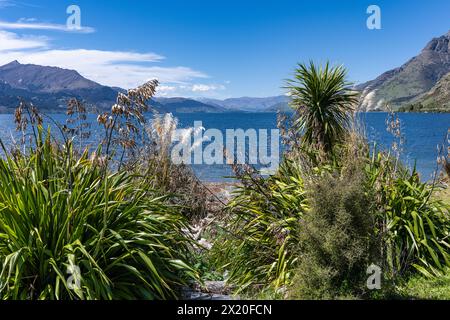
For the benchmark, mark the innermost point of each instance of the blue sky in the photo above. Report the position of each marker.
(216, 48)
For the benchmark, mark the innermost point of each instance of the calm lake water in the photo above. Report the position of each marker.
(423, 132)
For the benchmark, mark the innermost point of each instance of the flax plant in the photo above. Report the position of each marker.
(72, 228)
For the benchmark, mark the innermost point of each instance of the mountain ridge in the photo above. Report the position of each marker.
(250, 104)
(50, 88)
(402, 85)
(44, 79)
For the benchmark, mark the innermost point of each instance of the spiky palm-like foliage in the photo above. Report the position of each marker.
(324, 103)
(71, 230)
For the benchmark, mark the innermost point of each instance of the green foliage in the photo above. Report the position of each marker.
(59, 212)
(324, 102)
(435, 99)
(420, 287)
(412, 107)
(205, 266)
(262, 236)
(337, 240)
(339, 218)
(414, 225)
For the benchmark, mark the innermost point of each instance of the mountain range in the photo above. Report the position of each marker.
(421, 84)
(50, 88)
(249, 104)
(414, 86)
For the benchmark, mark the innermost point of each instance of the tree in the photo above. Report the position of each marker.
(324, 103)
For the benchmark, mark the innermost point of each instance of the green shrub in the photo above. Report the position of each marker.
(59, 212)
(262, 234)
(415, 227)
(337, 241)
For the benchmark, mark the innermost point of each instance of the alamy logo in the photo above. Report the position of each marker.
(374, 20)
(74, 272)
(235, 146)
(374, 279)
(74, 20)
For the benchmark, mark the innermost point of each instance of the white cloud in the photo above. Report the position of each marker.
(13, 3)
(113, 68)
(164, 90)
(28, 20)
(6, 3)
(190, 90)
(27, 24)
(75, 58)
(206, 87)
(10, 41)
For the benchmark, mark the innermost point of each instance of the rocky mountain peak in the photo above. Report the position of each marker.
(403, 85)
(42, 79)
(441, 44)
(12, 64)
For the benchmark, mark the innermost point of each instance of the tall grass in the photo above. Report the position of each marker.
(154, 160)
(125, 242)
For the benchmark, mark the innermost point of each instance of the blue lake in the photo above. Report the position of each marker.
(423, 133)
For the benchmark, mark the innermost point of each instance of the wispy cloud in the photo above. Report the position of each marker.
(207, 87)
(164, 90)
(6, 3)
(15, 3)
(123, 69)
(113, 68)
(197, 90)
(10, 42)
(27, 24)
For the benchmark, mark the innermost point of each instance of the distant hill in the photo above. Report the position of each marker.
(250, 104)
(42, 79)
(184, 105)
(49, 87)
(280, 107)
(404, 85)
